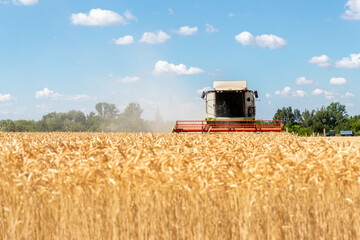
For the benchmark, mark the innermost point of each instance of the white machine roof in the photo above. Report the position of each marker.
(230, 85)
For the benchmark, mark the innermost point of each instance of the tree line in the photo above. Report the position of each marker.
(107, 118)
(333, 117)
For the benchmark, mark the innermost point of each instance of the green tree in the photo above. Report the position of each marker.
(307, 118)
(332, 117)
(26, 126)
(51, 122)
(286, 115)
(321, 120)
(337, 114)
(73, 121)
(130, 120)
(107, 110)
(297, 116)
(94, 123)
(7, 125)
(355, 123)
(133, 110)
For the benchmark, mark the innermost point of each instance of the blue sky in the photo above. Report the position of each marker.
(60, 55)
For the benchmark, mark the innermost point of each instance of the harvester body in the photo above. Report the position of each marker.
(230, 100)
(230, 107)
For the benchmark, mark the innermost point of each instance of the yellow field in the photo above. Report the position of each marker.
(355, 141)
(178, 186)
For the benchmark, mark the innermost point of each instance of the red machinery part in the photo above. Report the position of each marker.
(229, 126)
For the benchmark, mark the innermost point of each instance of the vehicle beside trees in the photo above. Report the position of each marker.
(333, 117)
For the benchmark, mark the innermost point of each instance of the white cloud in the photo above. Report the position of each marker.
(268, 95)
(210, 28)
(128, 15)
(285, 92)
(97, 17)
(348, 95)
(337, 81)
(128, 39)
(5, 97)
(264, 41)
(26, 2)
(155, 38)
(349, 62)
(3, 2)
(231, 14)
(128, 79)
(326, 94)
(245, 38)
(321, 61)
(349, 104)
(288, 92)
(303, 81)
(200, 91)
(299, 93)
(162, 67)
(317, 91)
(352, 11)
(270, 41)
(269, 102)
(171, 11)
(46, 93)
(50, 94)
(186, 31)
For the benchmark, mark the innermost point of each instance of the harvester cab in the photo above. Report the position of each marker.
(230, 100)
(230, 107)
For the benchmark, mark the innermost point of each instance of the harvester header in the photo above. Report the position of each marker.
(230, 107)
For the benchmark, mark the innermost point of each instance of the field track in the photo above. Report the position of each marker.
(178, 186)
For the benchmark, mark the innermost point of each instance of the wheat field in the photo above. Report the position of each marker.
(178, 186)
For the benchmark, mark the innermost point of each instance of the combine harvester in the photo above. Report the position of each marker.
(230, 107)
